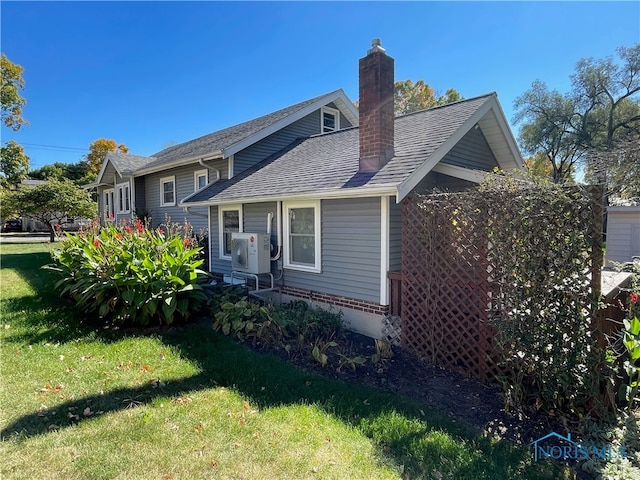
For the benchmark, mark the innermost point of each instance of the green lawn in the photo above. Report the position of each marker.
(84, 403)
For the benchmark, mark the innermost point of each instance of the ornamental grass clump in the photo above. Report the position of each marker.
(132, 275)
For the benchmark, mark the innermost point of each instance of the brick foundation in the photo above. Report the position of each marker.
(336, 300)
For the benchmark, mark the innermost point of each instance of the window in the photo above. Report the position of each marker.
(229, 221)
(167, 191)
(124, 198)
(108, 204)
(330, 119)
(200, 179)
(302, 236)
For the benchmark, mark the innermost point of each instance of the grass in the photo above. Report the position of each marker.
(79, 402)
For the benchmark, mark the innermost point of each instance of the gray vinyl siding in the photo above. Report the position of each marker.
(184, 185)
(473, 152)
(395, 235)
(254, 220)
(350, 251)
(112, 177)
(305, 127)
(350, 247)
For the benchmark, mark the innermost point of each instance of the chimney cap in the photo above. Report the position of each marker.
(375, 46)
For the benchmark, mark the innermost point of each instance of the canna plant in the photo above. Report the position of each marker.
(129, 274)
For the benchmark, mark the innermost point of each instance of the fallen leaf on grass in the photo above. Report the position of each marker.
(49, 388)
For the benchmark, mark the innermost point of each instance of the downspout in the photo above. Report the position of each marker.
(278, 228)
(188, 209)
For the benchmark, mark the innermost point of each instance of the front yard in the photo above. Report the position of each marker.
(187, 403)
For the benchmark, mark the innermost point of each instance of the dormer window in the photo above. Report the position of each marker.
(330, 119)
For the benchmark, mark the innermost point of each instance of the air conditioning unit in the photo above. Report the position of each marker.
(250, 253)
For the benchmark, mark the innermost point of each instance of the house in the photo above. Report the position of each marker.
(132, 185)
(623, 234)
(328, 201)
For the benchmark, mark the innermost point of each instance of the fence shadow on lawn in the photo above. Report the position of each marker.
(264, 380)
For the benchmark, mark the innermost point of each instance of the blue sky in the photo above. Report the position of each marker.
(148, 74)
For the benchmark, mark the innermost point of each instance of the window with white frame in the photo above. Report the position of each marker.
(330, 118)
(123, 197)
(167, 191)
(229, 221)
(302, 236)
(200, 179)
(108, 204)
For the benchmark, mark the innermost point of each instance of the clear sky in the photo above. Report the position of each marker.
(149, 74)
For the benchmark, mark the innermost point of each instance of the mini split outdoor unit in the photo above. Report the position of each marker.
(251, 253)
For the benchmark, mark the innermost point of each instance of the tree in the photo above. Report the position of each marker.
(73, 171)
(98, 151)
(548, 128)
(601, 110)
(538, 166)
(11, 101)
(14, 164)
(410, 97)
(50, 203)
(620, 166)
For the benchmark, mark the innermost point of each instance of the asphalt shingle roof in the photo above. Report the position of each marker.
(127, 163)
(330, 161)
(217, 141)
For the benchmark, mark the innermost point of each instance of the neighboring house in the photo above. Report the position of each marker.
(623, 234)
(330, 199)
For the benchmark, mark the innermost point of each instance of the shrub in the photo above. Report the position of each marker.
(294, 326)
(130, 274)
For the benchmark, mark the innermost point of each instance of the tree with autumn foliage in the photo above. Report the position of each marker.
(410, 97)
(11, 101)
(98, 151)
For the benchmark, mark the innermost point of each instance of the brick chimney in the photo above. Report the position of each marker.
(376, 108)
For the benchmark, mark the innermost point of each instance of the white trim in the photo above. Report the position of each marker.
(221, 209)
(416, 177)
(122, 188)
(384, 249)
(338, 96)
(196, 175)
(380, 190)
(475, 176)
(209, 230)
(317, 213)
(104, 167)
(109, 194)
(163, 181)
(175, 164)
(332, 111)
(230, 172)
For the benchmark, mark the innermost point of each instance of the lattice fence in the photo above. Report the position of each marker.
(448, 288)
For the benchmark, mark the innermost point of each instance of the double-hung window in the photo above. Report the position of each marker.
(108, 204)
(302, 236)
(229, 221)
(123, 197)
(200, 179)
(330, 119)
(168, 191)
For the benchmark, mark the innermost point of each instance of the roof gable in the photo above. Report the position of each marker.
(325, 165)
(226, 142)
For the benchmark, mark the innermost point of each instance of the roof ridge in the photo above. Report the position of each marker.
(166, 150)
(477, 97)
